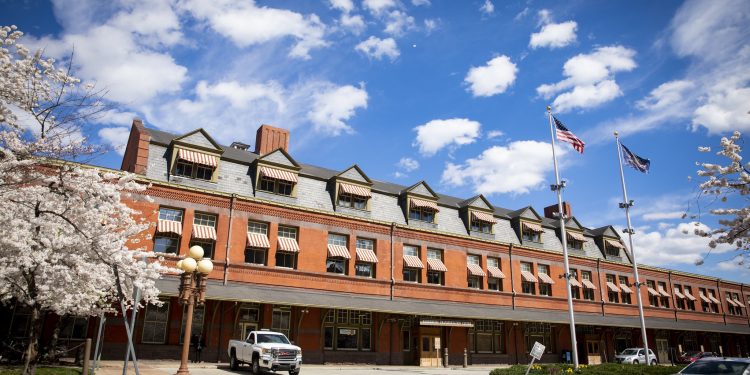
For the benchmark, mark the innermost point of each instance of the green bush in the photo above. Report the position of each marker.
(605, 369)
(16, 370)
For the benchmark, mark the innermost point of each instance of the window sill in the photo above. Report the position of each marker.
(277, 194)
(353, 208)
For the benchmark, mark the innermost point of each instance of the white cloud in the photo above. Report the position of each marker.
(241, 96)
(493, 78)
(676, 245)
(522, 14)
(379, 48)
(554, 35)
(378, 6)
(115, 117)
(331, 108)
(345, 6)
(487, 7)
(355, 23)
(116, 137)
(247, 24)
(398, 23)
(590, 78)
(666, 94)
(724, 110)
(653, 216)
(437, 134)
(526, 161)
(545, 16)
(408, 164)
(430, 25)
(421, 2)
(494, 134)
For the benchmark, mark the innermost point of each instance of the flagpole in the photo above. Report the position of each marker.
(561, 214)
(629, 230)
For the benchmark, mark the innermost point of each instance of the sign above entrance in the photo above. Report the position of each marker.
(537, 350)
(446, 323)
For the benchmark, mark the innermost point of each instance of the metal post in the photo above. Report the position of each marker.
(86, 357)
(626, 205)
(99, 336)
(136, 299)
(445, 356)
(188, 286)
(561, 214)
(128, 329)
(466, 358)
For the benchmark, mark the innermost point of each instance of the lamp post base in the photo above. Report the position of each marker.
(182, 371)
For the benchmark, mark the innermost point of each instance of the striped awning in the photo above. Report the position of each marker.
(495, 272)
(528, 277)
(616, 244)
(588, 284)
(421, 203)
(475, 270)
(288, 244)
(204, 232)
(366, 255)
(545, 278)
(574, 282)
(625, 288)
(663, 292)
(278, 174)
(412, 261)
(612, 287)
(732, 303)
(714, 300)
(703, 297)
(197, 157)
(738, 302)
(689, 296)
(533, 227)
(483, 216)
(436, 265)
(678, 294)
(257, 240)
(169, 226)
(576, 236)
(338, 251)
(652, 291)
(357, 190)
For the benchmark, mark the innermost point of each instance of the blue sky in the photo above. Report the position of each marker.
(446, 91)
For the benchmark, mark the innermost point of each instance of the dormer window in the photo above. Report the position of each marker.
(423, 210)
(353, 196)
(482, 222)
(575, 240)
(531, 232)
(613, 248)
(192, 164)
(277, 181)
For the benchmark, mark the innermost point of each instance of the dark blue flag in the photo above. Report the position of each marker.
(638, 163)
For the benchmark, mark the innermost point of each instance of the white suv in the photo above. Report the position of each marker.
(635, 356)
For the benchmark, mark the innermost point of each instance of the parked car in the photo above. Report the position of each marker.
(635, 356)
(718, 365)
(265, 350)
(692, 356)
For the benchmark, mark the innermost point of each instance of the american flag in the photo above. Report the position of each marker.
(565, 135)
(638, 163)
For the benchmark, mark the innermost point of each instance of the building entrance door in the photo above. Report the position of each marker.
(662, 350)
(592, 352)
(429, 347)
(246, 328)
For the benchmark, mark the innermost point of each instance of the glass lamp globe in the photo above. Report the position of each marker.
(179, 264)
(189, 264)
(205, 266)
(196, 252)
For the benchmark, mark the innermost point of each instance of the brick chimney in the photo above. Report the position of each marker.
(269, 138)
(135, 159)
(550, 211)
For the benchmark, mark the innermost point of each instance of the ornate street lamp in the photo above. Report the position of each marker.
(192, 292)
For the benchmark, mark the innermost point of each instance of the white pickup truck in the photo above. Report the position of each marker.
(265, 350)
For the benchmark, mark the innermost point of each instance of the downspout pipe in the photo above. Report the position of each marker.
(229, 237)
(393, 280)
(512, 285)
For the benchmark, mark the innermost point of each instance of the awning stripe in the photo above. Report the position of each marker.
(663, 292)
(714, 300)
(616, 244)
(412, 261)
(357, 190)
(169, 226)
(257, 240)
(278, 174)
(483, 216)
(545, 278)
(204, 232)
(612, 287)
(528, 277)
(738, 302)
(366, 255)
(421, 203)
(731, 302)
(652, 291)
(625, 288)
(197, 157)
(495, 272)
(288, 244)
(574, 282)
(533, 227)
(576, 236)
(678, 294)
(476, 270)
(338, 251)
(588, 284)
(436, 265)
(703, 297)
(690, 296)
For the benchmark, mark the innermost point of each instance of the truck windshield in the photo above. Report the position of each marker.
(273, 339)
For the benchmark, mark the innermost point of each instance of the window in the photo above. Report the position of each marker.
(713, 305)
(474, 280)
(281, 320)
(527, 287)
(612, 295)
(664, 300)
(689, 303)
(574, 290)
(487, 337)
(422, 213)
(205, 241)
(276, 186)
(679, 302)
(207, 245)
(731, 309)
(184, 168)
(256, 255)
(199, 313)
(352, 201)
(531, 235)
(362, 267)
(541, 332)
(411, 274)
(347, 330)
(653, 300)
(480, 225)
(588, 293)
(155, 324)
(434, 276)
(626, 298)
(168, 242)
(545, 289)
(575, 244)
(286, 259)
(205, 219)
(611, 250)
(494, 283)
(337, 263)
(170, 214)
(73, 328)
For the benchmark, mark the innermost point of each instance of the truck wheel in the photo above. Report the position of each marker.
(653, 362)
(233, 364)
(295, 372)
(256, 366)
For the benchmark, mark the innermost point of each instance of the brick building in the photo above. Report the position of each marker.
(365, 271)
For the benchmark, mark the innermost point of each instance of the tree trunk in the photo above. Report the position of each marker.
(31, 355)
(52, 353)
